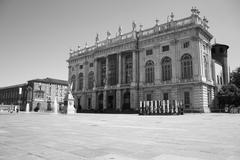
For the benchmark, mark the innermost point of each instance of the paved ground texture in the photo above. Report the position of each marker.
(43, 136)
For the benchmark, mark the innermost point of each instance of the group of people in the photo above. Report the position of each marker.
(13, 108)
(160, 108)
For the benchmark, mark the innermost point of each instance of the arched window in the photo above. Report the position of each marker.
(73, 82)
(80, 81)
(166, 69)
(186, 66)
(206, 67)
(90, 80)
(149, 72)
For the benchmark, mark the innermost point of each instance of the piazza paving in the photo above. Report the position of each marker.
(47, 136)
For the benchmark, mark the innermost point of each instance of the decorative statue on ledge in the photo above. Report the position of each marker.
(69, 101)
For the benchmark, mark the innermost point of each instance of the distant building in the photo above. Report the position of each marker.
(14, 95)
(39, 93)
(42, 93)
(171, 61)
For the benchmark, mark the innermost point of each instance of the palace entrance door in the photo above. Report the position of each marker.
(100, 102)
(126, 101)
(111, 100)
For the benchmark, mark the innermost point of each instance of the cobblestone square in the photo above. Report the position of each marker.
(41, 136)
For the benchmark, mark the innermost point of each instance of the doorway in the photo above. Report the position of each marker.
(100, 102)
(126, 101)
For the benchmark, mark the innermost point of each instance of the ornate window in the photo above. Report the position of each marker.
(73, 82)
(128, 69)
(90, 80)
(166, 69)
(186, 66)
(80, 81)
(149, 72)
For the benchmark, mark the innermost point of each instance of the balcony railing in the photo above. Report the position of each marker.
(171, 25)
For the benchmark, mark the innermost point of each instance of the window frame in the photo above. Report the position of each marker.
(149, 72)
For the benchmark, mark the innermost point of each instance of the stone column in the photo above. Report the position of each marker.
(119, 69)
(134, 68)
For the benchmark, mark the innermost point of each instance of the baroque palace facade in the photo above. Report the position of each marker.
(171, 61)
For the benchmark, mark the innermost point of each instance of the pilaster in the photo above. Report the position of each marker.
(104, 99)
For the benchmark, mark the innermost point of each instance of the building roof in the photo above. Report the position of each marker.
(14, 86)
(50, 80)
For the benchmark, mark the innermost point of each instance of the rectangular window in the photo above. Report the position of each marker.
(165, 96)
(165, 48)
(91, 64)
(149, 52)
(149, 97)
(187, 99)
(81, 66)
(186, 44)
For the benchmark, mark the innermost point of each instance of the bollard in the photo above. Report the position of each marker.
(159, 107)
(144, 108)
(151, 107)
(172, 107)
(163, 107)
(155, 107)
(176, 108)
(167, 106)
(147, 107)
(140, 108)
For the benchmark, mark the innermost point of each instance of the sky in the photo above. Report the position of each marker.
(36, 35)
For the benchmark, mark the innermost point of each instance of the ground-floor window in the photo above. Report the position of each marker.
(149, 97)
(165, 96)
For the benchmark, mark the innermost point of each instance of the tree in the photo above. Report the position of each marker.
(229, 95)
(235, 77)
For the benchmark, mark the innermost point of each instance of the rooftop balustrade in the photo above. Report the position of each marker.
(194, 19)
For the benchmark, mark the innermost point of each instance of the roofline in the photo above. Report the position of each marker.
(14, 86)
